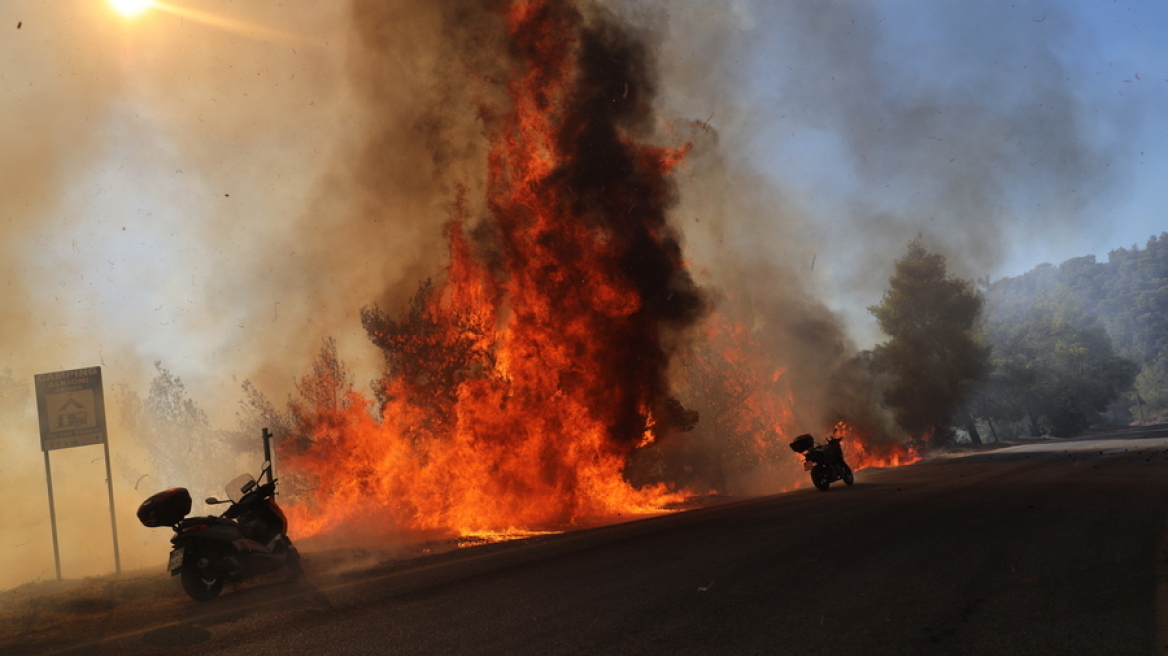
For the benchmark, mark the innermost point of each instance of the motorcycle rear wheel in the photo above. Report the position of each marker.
(821, 477)
(196, 584)
(849, 477)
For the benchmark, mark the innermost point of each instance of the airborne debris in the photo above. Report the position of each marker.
(703, 589)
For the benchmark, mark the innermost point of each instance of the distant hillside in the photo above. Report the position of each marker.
(1128, 293)
(1055, 310)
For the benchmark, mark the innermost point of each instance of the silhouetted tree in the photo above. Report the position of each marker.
(932, 357)
(430, 349)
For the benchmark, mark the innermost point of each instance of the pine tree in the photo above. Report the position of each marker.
(932, 356)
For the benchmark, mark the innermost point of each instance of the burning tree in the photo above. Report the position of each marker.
(529, 385)
(747, 416)
(516, 388)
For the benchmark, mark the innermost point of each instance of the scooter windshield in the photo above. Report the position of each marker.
(240, 486)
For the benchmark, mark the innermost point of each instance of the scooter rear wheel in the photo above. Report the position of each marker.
(292, 564)
(196, 584)
(821, 477)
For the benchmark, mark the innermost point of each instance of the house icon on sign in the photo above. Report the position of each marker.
(72, 414)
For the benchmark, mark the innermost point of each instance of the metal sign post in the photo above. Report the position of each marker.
(53, 515)
(71, 408)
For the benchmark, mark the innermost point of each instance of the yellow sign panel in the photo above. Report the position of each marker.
(71, 406)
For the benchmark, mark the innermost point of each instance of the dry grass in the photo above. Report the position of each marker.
(48, 603)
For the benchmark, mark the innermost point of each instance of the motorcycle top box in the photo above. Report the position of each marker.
(166, 508)
(803, 443)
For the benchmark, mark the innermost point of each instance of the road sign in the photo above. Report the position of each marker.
(71, 406)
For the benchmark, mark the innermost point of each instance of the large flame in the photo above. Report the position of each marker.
(519, 386)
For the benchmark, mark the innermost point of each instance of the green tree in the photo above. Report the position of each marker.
(1002, 394)
(1129, 295)
(1055, 365)
(1150, 395)
(932, 357)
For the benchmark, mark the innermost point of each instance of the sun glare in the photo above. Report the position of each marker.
(130, 8)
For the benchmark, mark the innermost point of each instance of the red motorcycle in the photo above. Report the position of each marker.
(824, 461)
(250, 538)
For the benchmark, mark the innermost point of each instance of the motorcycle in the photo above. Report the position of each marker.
(249, 539)
(824, 461)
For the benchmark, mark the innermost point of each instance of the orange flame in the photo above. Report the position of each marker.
(751, 413)
(518, 388)
(860, 453)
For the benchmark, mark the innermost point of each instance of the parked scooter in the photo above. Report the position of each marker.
(248, 539)
(824, 461)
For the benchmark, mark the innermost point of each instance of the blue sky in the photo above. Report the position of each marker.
(1006, 133)
(1133, 40)
(1086, 80)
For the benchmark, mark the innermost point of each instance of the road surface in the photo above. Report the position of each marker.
(1055, 547)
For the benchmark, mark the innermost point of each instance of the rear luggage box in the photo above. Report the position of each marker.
(803, 443)
(166, 508)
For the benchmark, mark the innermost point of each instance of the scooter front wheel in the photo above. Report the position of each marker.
(849, 477)
(197, 584)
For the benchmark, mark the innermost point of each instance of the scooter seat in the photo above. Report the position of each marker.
(208, 520)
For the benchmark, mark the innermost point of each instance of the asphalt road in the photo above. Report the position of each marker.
(1052, 548)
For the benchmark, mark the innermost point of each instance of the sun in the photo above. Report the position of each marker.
(130, 8)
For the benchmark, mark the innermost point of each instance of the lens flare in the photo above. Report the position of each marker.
(130, 8)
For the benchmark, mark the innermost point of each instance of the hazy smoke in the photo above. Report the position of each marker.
(966, 122)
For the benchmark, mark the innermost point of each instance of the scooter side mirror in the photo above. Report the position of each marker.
(210, 501)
